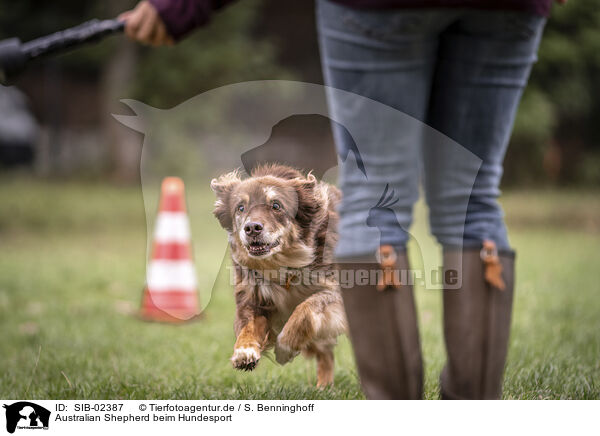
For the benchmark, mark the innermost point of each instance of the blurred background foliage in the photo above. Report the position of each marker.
(557, 129)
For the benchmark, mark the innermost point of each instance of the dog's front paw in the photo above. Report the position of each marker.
(283, 352)
(245, 358)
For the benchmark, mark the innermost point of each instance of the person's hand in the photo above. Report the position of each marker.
(143, 24)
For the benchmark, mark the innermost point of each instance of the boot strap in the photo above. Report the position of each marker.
(493, 267)
(387, 260)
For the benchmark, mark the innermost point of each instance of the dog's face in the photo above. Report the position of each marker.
(265, 214)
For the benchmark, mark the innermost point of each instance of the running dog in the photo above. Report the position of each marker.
(282, 229)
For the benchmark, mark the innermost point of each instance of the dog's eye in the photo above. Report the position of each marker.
(276, 205)
(240, 208)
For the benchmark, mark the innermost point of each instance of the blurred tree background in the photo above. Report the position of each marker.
(557, 130)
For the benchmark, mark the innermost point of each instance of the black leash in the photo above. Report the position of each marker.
(14, 54)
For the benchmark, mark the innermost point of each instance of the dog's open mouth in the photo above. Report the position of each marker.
(260, 248)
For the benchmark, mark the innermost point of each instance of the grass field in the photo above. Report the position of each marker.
(72, 266)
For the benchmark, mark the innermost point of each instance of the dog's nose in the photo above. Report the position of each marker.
(253, 229)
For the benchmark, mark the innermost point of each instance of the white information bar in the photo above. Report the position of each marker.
(306, 418)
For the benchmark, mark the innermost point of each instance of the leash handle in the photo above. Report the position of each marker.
(14, 54)
(90, 31)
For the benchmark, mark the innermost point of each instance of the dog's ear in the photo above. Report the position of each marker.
(306, 184)
(222, 187)
(308, 201)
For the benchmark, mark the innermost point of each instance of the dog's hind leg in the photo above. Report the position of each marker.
(323, 353)
(325, 365)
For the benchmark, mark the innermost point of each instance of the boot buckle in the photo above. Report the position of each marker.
(493, 267)
(390, 274)
(488, 251)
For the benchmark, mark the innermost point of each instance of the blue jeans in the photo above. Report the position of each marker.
(460, 72)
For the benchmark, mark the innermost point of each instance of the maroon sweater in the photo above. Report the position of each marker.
(182, 16)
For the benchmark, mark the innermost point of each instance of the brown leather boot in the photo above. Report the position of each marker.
(384, 332)
(477, 323)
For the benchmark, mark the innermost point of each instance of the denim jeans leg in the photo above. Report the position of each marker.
(484, 63)
(389, 57)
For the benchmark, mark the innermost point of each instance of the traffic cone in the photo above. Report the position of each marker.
(170, 294)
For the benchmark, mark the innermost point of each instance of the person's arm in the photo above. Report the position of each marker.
(162, 22)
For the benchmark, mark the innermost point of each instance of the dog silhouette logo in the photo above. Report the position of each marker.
(26, 415)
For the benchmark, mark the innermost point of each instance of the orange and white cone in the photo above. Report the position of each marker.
(171, 288)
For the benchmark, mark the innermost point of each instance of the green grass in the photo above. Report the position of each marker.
(72, 265)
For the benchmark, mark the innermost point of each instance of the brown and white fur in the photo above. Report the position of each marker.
(282, 229)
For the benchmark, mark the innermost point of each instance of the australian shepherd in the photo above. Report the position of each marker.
(282, 229)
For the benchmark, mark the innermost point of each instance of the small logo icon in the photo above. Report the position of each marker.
(26, 415)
